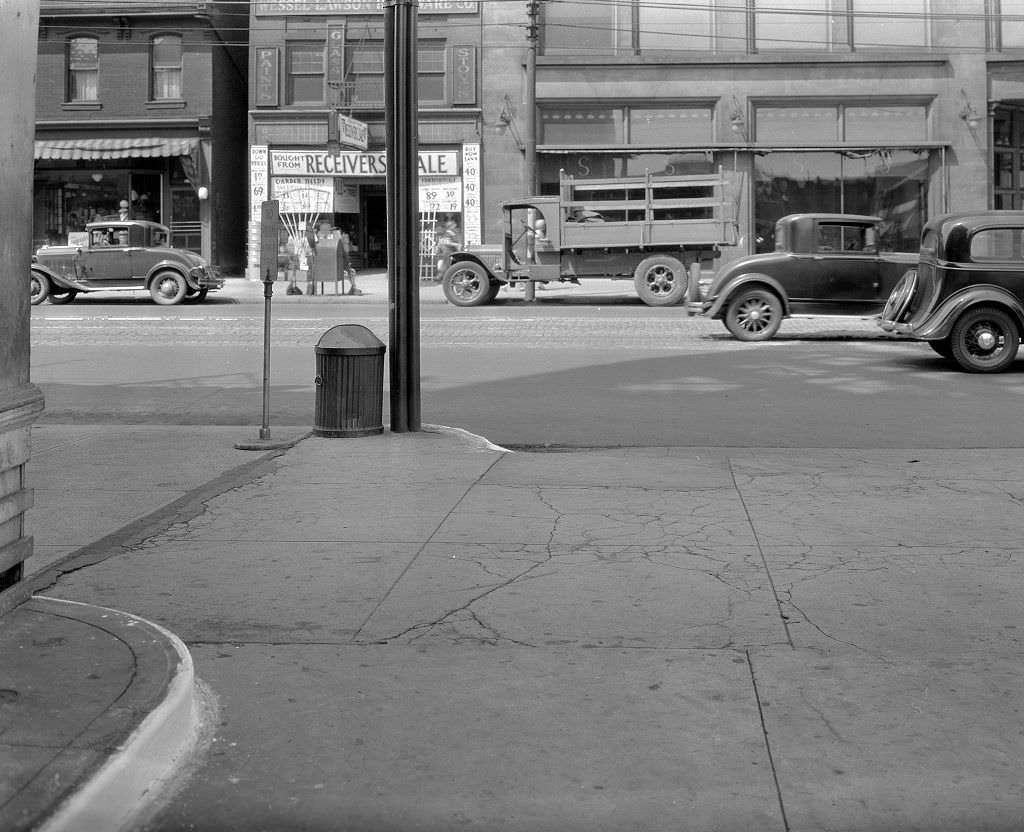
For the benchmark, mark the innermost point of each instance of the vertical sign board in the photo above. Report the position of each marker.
(270, 221)
(335, 56)
(463, 74)
(267, 90)
(471, 221)
(259, 178)
(259, 156)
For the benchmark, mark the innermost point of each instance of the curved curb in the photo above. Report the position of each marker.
(154, 723)
(475, 440)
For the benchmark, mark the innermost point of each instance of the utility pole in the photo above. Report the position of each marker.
(400, 123)
(530, 118)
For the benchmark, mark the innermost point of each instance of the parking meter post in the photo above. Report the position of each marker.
(268, 293)
(269, 239)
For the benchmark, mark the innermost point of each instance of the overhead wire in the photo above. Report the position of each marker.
(454, 23)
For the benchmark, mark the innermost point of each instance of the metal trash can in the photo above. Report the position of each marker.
(349, 382)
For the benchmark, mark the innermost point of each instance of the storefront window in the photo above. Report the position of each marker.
(885, 124)
(797, 125)
(889, 184)
(583, 126)
(816, 125)
(615, 166)
(670, 125)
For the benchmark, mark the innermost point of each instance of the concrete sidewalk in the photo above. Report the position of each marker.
(373, 287)
(427, 631)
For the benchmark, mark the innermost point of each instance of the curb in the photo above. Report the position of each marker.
(153, 724)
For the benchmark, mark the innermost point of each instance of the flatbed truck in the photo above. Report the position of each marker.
(653, 230)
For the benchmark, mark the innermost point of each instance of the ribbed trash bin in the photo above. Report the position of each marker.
(349, 382)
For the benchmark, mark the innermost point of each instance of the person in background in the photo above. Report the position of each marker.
(447, 244)
(345, 267)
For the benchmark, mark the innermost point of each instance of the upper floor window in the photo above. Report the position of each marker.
(430, 68)
(165, 56)
(793, 24)
(1008, 17)
(366, 73)
(305, 73)
(674, 27)
(815, 25)
(583, 27)
(890, 24)
(83, 69)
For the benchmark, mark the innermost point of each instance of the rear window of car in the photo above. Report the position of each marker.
(836, 237)
(997, 244)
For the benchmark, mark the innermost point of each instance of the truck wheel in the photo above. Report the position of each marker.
(168, 288)
(984, 340)
(660, 281)
(39, 289)
(467, 284)
(753, 315)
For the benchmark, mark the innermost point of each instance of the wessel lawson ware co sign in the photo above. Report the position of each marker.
(339, 7)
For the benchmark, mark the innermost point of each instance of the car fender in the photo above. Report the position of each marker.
(745, 281)
(471, 257)
(940, 323)
(58, 279)
(171, 266)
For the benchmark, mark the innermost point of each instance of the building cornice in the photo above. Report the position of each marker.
(884, 59)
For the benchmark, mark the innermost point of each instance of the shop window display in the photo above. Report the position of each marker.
(889, 184)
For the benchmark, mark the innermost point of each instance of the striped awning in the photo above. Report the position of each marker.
(145, 147)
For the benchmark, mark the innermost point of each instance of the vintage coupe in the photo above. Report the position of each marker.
(966, 296)
(122, 255)
(823, 264)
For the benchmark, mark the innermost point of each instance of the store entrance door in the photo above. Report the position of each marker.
(375, 226)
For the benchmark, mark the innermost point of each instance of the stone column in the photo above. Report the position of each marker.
(21, 402)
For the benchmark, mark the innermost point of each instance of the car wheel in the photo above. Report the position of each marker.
(59, 295)
(168, 288)
(753, 315)
(943, 347)
(197, 297)
(984, 340)
(467, 284)
(660, 281)
(39, 289)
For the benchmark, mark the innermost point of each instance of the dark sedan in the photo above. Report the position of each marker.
(966, 296)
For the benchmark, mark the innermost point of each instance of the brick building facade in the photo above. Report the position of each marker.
(144, 103)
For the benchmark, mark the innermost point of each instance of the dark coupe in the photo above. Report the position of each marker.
(823, 264)
(121, 255)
